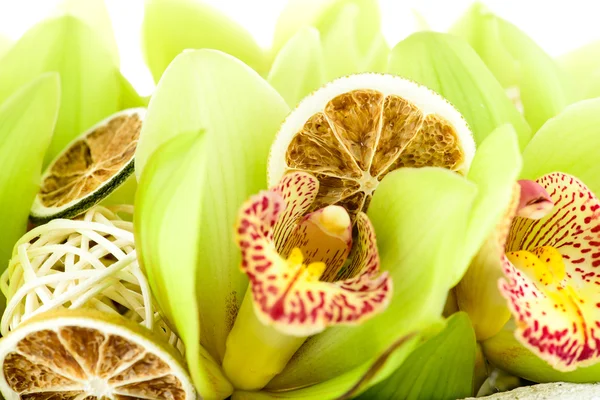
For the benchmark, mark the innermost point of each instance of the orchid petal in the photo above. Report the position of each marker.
(507, 353)
(5, 44)
(450, 67)
(441, 368)
(27, 120)
(89, 77)
(94, 14)
(568, 143)
(239, 113)
(553, 287)
(409, 234)
(495, 169)
(298, 68)
(323, 15)
(583, 67)
(288, 294)
(516, 60)
(167, 204)
(172, 26)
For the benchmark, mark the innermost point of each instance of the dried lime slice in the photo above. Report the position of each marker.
(86, 354)
(355, 130)
(90, 168)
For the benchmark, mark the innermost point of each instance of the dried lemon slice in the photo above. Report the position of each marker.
(90, 168)
(355, 130)
(86, 354)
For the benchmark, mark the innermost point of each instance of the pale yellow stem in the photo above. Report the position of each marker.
(255, 352)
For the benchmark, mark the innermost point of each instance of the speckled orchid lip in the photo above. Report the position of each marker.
(553, 278)
(301, 277)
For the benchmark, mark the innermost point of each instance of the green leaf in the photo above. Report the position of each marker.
(421, 245)
(517, 61)
(27, 120)
(89, 77)
(171, 26)
(567, 143)
(298, 68)
(448, 65)
(167, 204)
(583, 67)
(507, 353)
(441, 368)
(239, 113)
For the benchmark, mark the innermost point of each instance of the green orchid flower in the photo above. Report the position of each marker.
(75, 44)
(27, 120)
(582, 66)
(171, 26)
(539, 267)
(202, 154)
(536, 82)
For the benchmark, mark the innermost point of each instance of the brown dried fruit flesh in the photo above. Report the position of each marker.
(361, 136)
(71, 361)
(91, 161)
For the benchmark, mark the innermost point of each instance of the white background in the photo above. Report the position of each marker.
(557, 25)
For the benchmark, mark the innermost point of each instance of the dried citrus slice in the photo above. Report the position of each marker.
(355, 130)
(90, 168)
(86, 354)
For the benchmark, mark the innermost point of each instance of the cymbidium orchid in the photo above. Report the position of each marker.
(540, 266)
(202, 165)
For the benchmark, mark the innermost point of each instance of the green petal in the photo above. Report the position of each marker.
(168, 205)
(5, 44)
(583, 67)
(129, 97)
(350, 33)
(442, 368)
(420, 244)
(495, 169)
(89, 78)
(340, 46)
(567, 143)
(95, 14)
(450, 67)
(27, 120)
(171, 26)
(346, 385)
(323, 14)
(239, 113)
(298, 69)
(507, 353)
(516, 60)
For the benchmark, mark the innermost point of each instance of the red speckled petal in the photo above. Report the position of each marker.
(287, 294)
(298, 190)
(573, 228)
(365, 258)
(558, 318)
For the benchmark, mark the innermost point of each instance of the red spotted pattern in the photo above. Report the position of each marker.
(560, 322)
(285, 295)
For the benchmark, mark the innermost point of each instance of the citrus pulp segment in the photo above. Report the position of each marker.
(355, 130)
(85, 354)
(90, 168)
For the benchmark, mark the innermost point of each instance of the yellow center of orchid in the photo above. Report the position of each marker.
(544, 265)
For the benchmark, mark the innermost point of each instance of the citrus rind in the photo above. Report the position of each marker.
(54, 350)
(90, 168)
